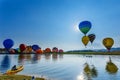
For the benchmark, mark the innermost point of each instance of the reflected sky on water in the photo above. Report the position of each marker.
(65, 67)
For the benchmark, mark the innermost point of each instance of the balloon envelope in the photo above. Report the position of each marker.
(35, 47)
(60, 51)
(8, 43)
(91, 37)
(55, 49)
(22, 47)
(108, 43)
(39, 51)
(85, 40)
(85, 26)
(47, 50)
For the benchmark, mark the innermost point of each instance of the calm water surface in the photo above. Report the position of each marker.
(63, 67)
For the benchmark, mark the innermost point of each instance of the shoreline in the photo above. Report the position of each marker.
(81, 53)
(19, 77)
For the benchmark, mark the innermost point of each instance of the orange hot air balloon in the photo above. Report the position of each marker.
(39, 51)
(108, 43)
(85, 40)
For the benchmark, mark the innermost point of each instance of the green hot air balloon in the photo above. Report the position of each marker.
(85, 26)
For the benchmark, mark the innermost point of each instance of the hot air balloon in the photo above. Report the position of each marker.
(22, 47)
(108, 43)
(8, 43)
(91, 37)
(85, 40)
(47, 50)
(35, 47)
(85, 26)
(39, 51)
(61, 51)
(55, 50)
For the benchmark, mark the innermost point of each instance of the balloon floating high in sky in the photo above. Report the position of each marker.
(92, 37)
(108, 43)
(85, 26)
(85, 40)
(8, 43)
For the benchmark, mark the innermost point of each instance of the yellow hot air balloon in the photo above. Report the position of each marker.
(108, 43)
(85, 40)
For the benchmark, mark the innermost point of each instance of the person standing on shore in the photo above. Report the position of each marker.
(33, 78)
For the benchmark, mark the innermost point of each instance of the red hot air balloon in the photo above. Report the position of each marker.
(47, 50)
(22, 47)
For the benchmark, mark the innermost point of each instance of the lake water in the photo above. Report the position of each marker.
(63, 67)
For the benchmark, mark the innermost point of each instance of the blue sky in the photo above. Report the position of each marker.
(50, 23)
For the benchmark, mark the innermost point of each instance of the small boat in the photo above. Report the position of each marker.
(18, 69)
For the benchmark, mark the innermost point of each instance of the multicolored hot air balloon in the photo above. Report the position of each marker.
(85, 40)
(85, 26)
(8, 43)
(108, 43)
(91, 37)
(55, 50)
(39, 51)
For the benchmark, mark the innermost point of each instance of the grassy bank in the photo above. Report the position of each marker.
(18, 77)
(94, 53)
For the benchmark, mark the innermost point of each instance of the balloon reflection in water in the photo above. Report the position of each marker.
(54, 56)
(90, 71)
(21, 58)
(36, 57)
(111, 67)
(5, 64)
(47, 56)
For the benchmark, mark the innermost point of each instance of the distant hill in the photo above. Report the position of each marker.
(96, 50)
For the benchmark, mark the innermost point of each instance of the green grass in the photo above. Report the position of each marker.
(17, 77)
(94, 53)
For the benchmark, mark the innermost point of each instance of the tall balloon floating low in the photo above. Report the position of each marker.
(8, 43)
(108, 43)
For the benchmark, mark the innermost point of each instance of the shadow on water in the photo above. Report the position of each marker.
(5, 64)
(111, 68)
